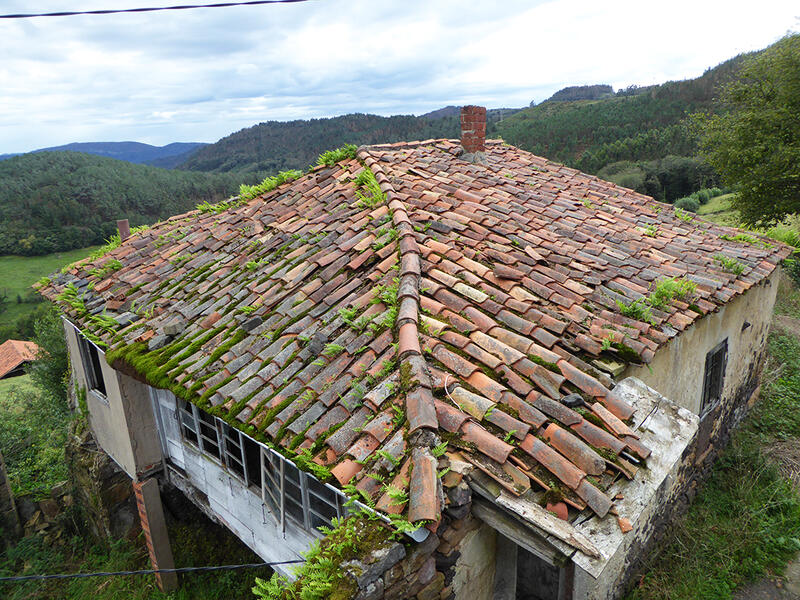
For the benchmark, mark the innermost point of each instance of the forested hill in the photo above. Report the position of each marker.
(54, 201)
(635, 124)
(276, 146)
(135, 152)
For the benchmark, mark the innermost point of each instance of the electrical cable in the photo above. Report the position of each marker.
(147, 571)
(147, 9)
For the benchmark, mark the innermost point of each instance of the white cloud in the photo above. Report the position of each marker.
(199, 75)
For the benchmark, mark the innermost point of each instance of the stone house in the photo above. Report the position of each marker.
(526, 367)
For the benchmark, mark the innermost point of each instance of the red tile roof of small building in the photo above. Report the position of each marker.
(460, 309)
(14, 353)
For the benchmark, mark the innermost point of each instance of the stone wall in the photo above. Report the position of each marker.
(101, 488)
(9, 519)
(430, 570)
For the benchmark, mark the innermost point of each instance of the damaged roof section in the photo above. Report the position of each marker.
(378, 316)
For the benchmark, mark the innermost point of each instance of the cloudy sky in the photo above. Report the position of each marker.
(199, 75)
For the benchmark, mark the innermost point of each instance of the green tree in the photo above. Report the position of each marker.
(49, 370)
(754, 139)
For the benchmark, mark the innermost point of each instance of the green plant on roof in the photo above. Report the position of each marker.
(248, 192)
(321, 576)
(638, 310)
(439, 449)
(745, 239)
(730, 265)
(110, 266)
(388, 457)
(587, 203)
(347, 314)
(399, 497)
(607, 341)
(651, 230)
(252, 265)
(368, 191)
(331, 157)
(384, 239)
(399, 416)
(332, 350)
(684, 215)
(668, 290)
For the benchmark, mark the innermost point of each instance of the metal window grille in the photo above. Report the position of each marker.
(209, 434)
(188, 420)
(716, 361)
(233, 450)
(286, 491)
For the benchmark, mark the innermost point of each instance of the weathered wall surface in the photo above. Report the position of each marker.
(456, 562)
(122, 421)
(670, 432)
(677, 373)
(677, 369)
(102, 489)
(474, 572)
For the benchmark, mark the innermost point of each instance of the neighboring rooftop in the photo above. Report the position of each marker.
(372, 308)
(14, 354)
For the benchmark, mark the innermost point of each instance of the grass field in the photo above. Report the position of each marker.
(22, 383)
(718, 210)
(18, 273)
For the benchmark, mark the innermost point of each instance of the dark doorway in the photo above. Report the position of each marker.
(536, 580)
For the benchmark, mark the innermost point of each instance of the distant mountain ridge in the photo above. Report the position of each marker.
(279, 145)
(166, 157)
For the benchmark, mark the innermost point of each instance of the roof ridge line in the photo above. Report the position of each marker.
(425, 491)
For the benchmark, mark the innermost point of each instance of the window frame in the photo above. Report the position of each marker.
(716, 364)
(92, 367)
(277, 472)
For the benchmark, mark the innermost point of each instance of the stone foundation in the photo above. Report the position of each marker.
(101, 488)
(449, 564)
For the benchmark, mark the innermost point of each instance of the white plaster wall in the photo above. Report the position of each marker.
(474, 578)
(106, 415)
(122, 421)
(237, 507)
(677, 369)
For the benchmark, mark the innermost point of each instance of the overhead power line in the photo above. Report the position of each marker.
(147, 572)
(147, 9)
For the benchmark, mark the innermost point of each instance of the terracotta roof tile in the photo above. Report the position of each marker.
(15, 353)
(520, 279)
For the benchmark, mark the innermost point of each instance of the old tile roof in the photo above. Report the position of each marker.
(361, 331)
(14, 353)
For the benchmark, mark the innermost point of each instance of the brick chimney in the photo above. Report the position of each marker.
(473, 133)
(124, 229)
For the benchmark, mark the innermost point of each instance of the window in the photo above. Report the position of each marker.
(716, 360)
(90, 357)
(234, 454)
(285, 490)
(189, 423)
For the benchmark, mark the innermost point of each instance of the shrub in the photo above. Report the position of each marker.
(690, 204)
(702, 196)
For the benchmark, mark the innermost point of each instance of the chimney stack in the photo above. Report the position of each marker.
(473, 133)
(124, 229)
